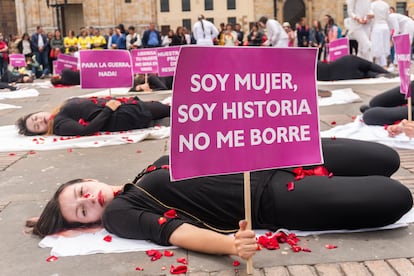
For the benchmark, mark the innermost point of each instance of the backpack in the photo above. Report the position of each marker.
(339, 31)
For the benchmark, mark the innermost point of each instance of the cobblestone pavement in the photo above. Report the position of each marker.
(27, 181)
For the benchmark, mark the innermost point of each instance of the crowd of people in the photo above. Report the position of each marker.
(353, 189)
(369, 27)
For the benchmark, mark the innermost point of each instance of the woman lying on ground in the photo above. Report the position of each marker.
(86, 116)
(9, 79)
(66, 77)
(153, 83)
(388, 108)
(203, 211)
(350, 67)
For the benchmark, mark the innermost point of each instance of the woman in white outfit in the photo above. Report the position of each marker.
(380, 35)
(204, 31)
(401, 24)
(276, 35)
(359, 27)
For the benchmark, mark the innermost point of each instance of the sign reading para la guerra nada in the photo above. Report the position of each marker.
(243, 114)
(105, 68)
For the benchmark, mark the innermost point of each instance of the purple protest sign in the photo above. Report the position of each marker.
(17, 60)
(66, 62)
(403, 56)
(243, 114)
(167, 60)
(338, 48)
(105, 69)
(144, 61)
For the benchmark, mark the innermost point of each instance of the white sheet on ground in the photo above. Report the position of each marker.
(339, 96)
(10, 140)
(92, 243)
(21, 93)
(8, 106)
(361, 131)
(368, 81)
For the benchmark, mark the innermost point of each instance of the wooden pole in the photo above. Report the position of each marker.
(248, 215)
(410, 116)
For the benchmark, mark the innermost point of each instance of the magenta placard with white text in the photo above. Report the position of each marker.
(244, 114)
(144, 61)
(338, 48)
(105, 69)
(167, 60)
(17, 60)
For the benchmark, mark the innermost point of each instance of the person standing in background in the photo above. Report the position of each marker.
(380, 34)
(40, 45)
(276, 35)
(204, 31)
(359, 27)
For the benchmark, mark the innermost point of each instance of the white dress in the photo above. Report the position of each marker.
(380, 35)
(204, 32)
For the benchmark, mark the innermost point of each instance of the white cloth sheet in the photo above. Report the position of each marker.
(92, 243)
(368, 81)
(361, 131)
(21, 93)
(10, 140)
(8, 106)
(339, 96)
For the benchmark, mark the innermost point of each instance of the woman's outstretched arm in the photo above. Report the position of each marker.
(191, 237)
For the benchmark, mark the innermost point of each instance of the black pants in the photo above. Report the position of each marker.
(387, 108)
(361, 193)
(4, 85)
(158, 110)
(347, 68)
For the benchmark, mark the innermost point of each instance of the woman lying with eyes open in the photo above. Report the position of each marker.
(360, 194)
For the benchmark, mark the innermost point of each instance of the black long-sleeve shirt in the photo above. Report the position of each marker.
(215, 202)
(85, 116)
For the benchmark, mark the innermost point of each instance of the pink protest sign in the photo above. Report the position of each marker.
(167, 60)
(105, 69)
(66, 62)
(144, 61)
(243, 114)
(403, 56)
(338, 48)
(17, 60)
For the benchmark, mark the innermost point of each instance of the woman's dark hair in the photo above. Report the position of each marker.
(55, 80)
(51, 220)
(263, 19)
(22, 127)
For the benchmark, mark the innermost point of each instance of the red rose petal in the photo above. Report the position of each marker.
(306, 250)
(69, 150)
(51, 259)
(138, 151)
(333, 123)
(181, 269)
(139, 268)
(331, 246)
(12, 154)
(32, 152)
(290, 186)
(296, 248)
(182, 260)
(162, 220)
(170, 214)
(107, 238)
(154, 254)
(333, 138)
(236, 263)
(168, 253)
